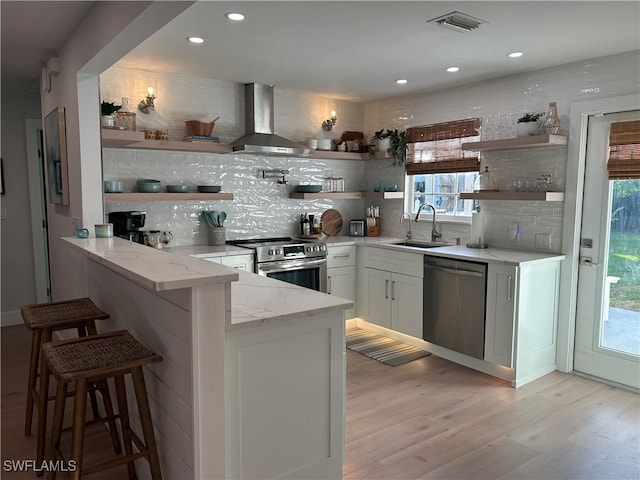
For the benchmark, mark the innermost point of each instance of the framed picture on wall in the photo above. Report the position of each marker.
(55, 146)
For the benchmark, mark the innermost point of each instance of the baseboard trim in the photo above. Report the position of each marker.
(11, 318)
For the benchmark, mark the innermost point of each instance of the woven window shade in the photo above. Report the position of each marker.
(624, 150)
(437, 148)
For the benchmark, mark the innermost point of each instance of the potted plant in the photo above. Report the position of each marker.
(107, 111)
(396, 146)
(528, 124)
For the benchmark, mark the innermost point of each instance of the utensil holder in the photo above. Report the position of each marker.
(216, 236)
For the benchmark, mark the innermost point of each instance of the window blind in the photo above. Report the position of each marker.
(624, 150)
(437, 148)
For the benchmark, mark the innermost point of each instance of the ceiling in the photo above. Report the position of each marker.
(354, 50)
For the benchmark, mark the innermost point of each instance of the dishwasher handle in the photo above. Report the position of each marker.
(455, 271)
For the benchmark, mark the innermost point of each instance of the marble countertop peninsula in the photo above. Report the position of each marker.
(203, 251)
(154, 269)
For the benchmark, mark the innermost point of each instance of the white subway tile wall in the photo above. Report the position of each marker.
(261, 207)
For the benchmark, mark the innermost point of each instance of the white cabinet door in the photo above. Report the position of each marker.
(502, 291)
(406, 304)
(378, 309)
(241, 262)
(341, 282)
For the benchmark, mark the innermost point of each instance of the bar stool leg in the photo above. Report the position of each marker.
(102, 385)
(77, 431)
(123, 409)
(33, 373)
(145, 420)
(83, 331)
(43, 402)
(56, 427)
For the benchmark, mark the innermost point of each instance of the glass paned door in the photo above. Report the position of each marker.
(607, 340)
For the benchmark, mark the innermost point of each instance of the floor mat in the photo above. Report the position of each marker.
(383, 349)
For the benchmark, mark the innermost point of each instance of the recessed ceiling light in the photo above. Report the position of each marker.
(515, 54)
(401, 81)
(453, 69)
(194, 39)
(234, 16)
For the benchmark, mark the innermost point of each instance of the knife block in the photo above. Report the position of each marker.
(373, 230)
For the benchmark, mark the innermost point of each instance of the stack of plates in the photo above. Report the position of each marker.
(309, 188)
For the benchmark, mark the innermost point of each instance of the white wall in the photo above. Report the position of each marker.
(18, 280)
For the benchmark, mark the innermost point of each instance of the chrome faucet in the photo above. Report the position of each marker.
(407, 216)
(435, 235)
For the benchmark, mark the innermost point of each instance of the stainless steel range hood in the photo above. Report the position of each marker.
(259, 138)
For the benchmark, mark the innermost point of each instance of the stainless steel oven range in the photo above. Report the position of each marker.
(300, 262)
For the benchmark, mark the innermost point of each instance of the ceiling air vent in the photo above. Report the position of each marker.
(458, 22)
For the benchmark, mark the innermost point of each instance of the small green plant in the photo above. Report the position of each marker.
(530, 117)
(397, 145)
(109, 108)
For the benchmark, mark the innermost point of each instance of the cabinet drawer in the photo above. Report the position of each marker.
(341, 256)
(394, 261)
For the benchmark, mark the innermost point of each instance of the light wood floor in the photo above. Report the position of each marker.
(429, 419)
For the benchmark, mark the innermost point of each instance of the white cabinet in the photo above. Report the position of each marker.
(341, 274)
(522, 311)
(241, 262)
(392, 290)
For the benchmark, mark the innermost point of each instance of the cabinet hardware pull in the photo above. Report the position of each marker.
(386, 289)
(329, 286)
(393, 290)
(346, 255)
(509, 279)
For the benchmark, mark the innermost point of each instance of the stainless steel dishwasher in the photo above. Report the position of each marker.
(454, 304)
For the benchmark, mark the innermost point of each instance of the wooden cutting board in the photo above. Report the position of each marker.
(331, 222)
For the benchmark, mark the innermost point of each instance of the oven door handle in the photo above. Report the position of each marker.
(290, 265)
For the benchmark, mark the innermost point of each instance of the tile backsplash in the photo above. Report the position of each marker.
(262, 207)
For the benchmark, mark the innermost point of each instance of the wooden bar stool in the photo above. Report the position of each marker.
(95, 359)
(43, 319)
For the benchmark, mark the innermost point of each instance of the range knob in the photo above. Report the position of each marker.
(278, 251)
(270, 252)
(308, 249)
(316, 248)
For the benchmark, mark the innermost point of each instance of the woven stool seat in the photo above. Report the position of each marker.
(42, 319)
(88, 358)
(96, 359)
(57, 314)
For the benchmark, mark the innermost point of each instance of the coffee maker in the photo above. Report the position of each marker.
(127, 225)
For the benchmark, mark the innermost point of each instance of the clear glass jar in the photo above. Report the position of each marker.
(125, 117)
(551, 123)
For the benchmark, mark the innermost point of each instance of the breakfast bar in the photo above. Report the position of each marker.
(252, 379)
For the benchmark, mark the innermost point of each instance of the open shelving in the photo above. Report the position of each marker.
(160, 197)
(532, 141)
(347, 195)
(529, 196)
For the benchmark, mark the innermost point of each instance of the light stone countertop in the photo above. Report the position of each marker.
(151, 268)
(203, 251)
(255, 300)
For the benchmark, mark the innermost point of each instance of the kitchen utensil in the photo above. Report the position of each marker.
(309, 188)
(209, 188)
(214, 218)
(177, 188)
(104, 230)
(202, 129)
(331, 222)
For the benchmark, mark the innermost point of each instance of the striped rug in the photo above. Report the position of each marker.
(383, 349)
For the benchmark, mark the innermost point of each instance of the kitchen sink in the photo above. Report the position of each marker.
(417, 244)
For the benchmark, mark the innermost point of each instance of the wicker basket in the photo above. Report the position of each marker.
(201, 129)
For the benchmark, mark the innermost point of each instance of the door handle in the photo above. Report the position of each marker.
(509, 280)
(393, 290)
(386, 289)
(329, 285)
(588, 261)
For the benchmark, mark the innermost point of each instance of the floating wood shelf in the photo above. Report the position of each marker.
(530, 196)
(163, 197)
(535, 141)
(346, 195)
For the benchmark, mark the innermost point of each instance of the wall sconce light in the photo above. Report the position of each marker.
(328, 124)
(146, 104)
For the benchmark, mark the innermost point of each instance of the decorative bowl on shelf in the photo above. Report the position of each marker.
(309, 188)
(177, 188)
(391, 187)
(149, 187)
(209, 188)
(112, 186)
